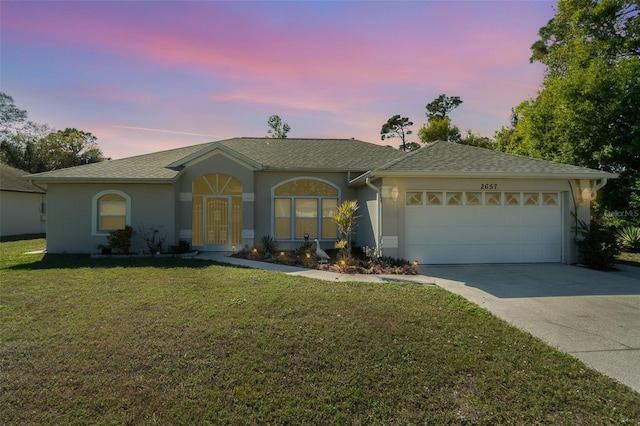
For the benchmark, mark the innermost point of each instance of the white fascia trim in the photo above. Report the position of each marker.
(104, 180)
(496, 175)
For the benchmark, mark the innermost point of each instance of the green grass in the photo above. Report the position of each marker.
(150, 341)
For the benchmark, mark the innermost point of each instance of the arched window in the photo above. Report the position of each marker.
(305, 206)
(111, 211)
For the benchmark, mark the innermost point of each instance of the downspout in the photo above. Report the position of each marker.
(43, 208)
(378, 215)
(598, 187)
(37, 186)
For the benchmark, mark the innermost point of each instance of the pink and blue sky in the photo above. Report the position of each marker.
(145, 76)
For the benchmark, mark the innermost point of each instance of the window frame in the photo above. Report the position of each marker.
(95, 211)
(319, 199)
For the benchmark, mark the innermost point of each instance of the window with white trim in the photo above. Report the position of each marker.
(454, 198)
(434, 198)
(304, 206)
(111, 210)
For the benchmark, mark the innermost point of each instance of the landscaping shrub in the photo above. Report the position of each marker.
(183, 247)
(152, 238)
(268, 245)
(120, 239)
(629, 238)
(597, 246)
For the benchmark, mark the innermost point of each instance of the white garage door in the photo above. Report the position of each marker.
(450, 227)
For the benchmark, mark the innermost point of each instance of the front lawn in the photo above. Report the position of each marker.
(172, 341)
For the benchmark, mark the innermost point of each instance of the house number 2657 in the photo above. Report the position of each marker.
(489, 186)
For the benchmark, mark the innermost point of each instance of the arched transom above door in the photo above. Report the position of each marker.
(217, 184)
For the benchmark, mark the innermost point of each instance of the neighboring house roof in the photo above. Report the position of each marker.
(449, 159)
(443, 159)
(11, 180)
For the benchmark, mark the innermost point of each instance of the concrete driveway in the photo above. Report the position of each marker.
(592, 315)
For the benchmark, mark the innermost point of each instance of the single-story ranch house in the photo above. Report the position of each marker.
(444, 203)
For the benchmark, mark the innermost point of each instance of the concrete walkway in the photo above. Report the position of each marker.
(592, 315)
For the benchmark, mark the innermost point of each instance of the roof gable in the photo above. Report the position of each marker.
(215, 149)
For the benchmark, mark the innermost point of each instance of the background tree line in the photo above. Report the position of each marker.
(36, 148)
(587, 112)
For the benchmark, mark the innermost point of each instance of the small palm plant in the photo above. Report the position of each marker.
(269, 245)
(346, 220)
(629, 238)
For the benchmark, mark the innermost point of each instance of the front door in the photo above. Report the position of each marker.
(218, 225)
(217, 212)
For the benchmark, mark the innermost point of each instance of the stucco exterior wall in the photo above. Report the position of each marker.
(21, 213)
(69, 209)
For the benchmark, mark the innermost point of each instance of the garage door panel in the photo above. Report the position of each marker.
(483, 234)
(457, 214)
(541, 252)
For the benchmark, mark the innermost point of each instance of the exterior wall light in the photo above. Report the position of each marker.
(394, 194)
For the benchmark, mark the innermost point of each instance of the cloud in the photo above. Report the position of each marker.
(174, 132)
(328, 68)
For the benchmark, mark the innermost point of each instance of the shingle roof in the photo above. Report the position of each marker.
(266, 153)
(148, 167)
(449, 159)
(445, 159)
(11, 180)
(313, 154)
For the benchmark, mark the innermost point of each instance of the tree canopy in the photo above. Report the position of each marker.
(397, 127)
(439, 126)
(441, 106)
(277, 129)
(588, 111)
(11, 117)
(38, 148)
